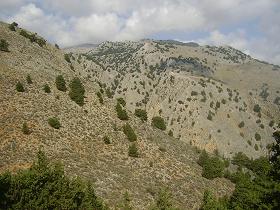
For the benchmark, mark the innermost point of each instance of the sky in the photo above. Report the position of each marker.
(252, 26)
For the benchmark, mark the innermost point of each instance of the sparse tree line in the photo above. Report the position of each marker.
(257, 182)
(46, 186)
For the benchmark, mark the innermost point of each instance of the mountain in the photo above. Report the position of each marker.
(82, 48)
(213, 98)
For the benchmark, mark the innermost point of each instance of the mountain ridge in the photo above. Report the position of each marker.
(148, 76)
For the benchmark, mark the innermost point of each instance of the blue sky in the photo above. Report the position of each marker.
(252, 26)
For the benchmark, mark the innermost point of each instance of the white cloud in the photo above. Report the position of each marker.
(167, 17)
(70, 22)
(260, 47)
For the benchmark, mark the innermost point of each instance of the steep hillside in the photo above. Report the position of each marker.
(216, 98)
(80, 143)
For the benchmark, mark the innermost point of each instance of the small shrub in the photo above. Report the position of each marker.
(4, 45)
(28, 79)
(60, 83)
(129, 132)
(106, 140)
(141, 113)
(100, 98)
(67, 58)
(13, 26)
(25, 129)
(164, 201)
(33, 38)
(122, 114)
(256, 147)
(170, 133)
(203, 158)
(194, 93)
(121, 101)
(241, 160)
(77, 91)
(257, 108)
(54, 122)
(271, 123)
(241, 124)
(133, 150)
(19, 87)
(47, 88)
(213, 168)
(159, 123)
(209, 116)
(109, 93)
(258, 137)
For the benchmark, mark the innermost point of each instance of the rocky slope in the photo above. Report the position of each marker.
(164, 161)
(216, 98)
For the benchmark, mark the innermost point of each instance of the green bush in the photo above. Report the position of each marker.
(213, 168)
(25, 129)
(241, 160)
(33, 38)
(109, 93)
(241, 124)
(258, 137)
(122, 114)
(28, 79)
(106, 140)
(159, 123)
(77, 91)
(257, 108)
(19, 87)
(129, 132)
(170, 133)
(164, 201)
(13, 26)
(60, 83)
(54, 122)
(141, 113)
(121, 101)
(45, 186)
(4, 45)
(133, 150)
(257, 189)
(194, 93)
(211, 203)
(47, 88)
(203, 157)
(67, 58)
(100, 98)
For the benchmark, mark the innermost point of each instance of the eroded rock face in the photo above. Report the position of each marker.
(202, 92)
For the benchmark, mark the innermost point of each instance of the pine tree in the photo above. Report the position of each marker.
(19, 87)
(60, 83)
(47, 88)
(77, 91)
(28, 79)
